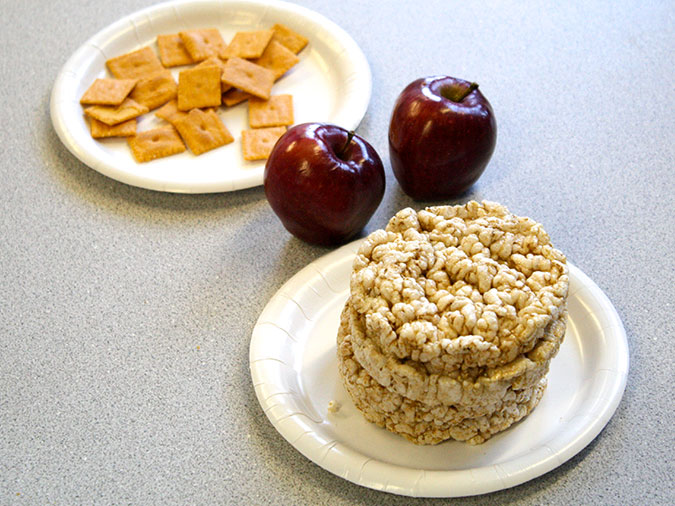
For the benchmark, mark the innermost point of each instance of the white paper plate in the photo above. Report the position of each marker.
(331, 83)
(294, 369)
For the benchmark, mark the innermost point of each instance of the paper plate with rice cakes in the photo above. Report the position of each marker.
(455, 352)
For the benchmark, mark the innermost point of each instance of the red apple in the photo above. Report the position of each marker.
(323, 182)
(441, 136)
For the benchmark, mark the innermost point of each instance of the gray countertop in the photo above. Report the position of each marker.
(126, 314)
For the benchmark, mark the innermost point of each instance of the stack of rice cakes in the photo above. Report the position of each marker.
(453, 318)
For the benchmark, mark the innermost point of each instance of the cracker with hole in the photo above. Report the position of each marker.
(172, 51)
(199, 87)
(257, 144)
(155, 90)
(156, 143)
(202, 44)
(292, 40)
(277, 111)
(249, 44)
(112, 115)
(136, 64)
(203, 131)
(100, 130)
(248, 77)
(108, 91)
(278, 58)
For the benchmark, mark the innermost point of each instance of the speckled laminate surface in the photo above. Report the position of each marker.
(126, 314)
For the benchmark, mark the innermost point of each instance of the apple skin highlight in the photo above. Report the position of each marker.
(323, 182)
(442, 134)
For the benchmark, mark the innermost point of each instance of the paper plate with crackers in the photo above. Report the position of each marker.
(190, 97)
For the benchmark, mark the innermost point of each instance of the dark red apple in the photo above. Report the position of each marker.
(441, 136)
(323, 182)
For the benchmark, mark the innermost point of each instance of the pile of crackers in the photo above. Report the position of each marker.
(220, 75)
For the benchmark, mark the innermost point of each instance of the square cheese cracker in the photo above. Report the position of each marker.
(155, 90)
(248, 77)
(292, 40)
(100, 130)
(248, 44)
(199, 87)
(277, 111)
(203, 131)
(257, 143)
(278, 58)
(172, 51)
(139, 63)
(155, 143)
(202, 44)
(108, 91)
(112, 115)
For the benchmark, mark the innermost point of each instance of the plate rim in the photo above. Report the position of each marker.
(588, 427)
(121, 173)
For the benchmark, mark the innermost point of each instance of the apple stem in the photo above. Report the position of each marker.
(465, 93)
(350, 136)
